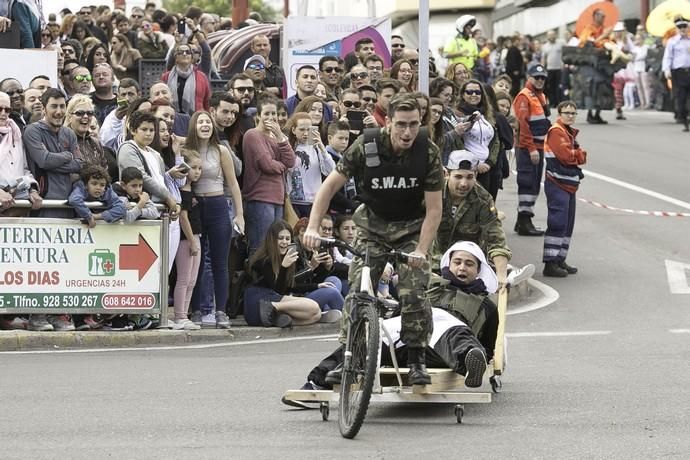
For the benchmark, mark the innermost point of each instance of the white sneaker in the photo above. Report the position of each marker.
(519, 275)
(185, 324)
(331, 316)
(208, 321)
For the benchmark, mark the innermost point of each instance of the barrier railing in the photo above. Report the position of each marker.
(62, 266)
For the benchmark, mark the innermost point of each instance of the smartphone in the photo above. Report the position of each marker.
(471, 118)
(181, 27)
(237, 229)
(122, 102)
(292, 247)
(356, 119)
(183, 167)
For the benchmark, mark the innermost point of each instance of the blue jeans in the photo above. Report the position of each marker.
(258, 217)
(202, 297)
(329, 298)
(217, 230)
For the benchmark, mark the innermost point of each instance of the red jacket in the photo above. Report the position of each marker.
(203, 90)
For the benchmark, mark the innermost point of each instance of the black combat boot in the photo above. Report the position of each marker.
(416, 361)
(597, 116)
(553, 270)
(569, 268)
(525, 227)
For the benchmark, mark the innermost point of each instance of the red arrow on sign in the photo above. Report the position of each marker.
(138, 256)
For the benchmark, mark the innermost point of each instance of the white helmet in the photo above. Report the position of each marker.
(463, 21)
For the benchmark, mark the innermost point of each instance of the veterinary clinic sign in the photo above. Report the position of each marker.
(55, 265)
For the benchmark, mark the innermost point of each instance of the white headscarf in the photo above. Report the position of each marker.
(486, 273)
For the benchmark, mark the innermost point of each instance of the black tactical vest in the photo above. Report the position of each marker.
(394, 191)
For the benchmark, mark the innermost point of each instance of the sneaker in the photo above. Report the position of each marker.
(196, 317)
(222, 320)
(186, 325)
(475, 365)
(62, 323)
(331, 316)
(13, 323)
(39, 323)
(519, 275)
(118, 323)
(208, 320)
(80, 324)
(311, 386)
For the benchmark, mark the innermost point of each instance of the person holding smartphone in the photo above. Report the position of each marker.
(267, 301)
(312, 162)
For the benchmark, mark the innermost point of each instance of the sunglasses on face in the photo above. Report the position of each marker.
(397, 45)
(244, 89)
(16, 92)
(332, 70)
(81, 113)
(256, 66)
(184, 53)
(84, 13)
(83, 78)
(414, 61)
(360, 76)
(475, 92)
(369, 99)
(137, 16)
(570, 114)
(355, 104)
(539, 77)
(5, 109)
(45, 35)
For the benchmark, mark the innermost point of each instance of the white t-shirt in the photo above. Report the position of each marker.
(304, 179)
(478, 137)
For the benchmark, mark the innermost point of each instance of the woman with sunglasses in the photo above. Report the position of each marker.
(80, 114)
(403, 71)
(151, 43)
(124, 58)
(189, 86)
(480, 138)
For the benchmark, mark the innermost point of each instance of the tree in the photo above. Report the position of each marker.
(222, 8)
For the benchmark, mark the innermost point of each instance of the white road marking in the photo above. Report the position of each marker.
(679, 331)
(550, 295)
(636, 188)
(514, 335)
(171, 347)
(677, 277)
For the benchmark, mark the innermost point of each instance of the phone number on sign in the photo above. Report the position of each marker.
(50, 301)
(113, 301)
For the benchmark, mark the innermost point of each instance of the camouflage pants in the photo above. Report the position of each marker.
(412, 284)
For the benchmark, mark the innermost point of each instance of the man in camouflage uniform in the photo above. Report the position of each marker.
(469, 214)
(399, 178)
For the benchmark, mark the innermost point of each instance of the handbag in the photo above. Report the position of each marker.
(289, 213)
(11, 38)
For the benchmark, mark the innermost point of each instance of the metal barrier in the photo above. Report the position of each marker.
(150, 71)
(63, 266)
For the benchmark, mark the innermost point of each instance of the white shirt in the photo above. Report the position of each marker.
(478, 137)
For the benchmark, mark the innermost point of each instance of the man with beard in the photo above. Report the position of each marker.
(531, 112)
(241, 87)
(397, 47)
(104, 100)
(306, 85)
(469, 214)
(330, 74)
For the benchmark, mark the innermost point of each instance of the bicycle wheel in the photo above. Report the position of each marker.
(359, 369)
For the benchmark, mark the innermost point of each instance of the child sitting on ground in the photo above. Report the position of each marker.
(131, 192)
(95, 186)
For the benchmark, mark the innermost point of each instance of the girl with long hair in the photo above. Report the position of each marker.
(217, 173)
(267, 301)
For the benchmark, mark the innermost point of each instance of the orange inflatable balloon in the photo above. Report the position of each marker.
(586, 17)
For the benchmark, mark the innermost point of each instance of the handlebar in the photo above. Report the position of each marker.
(336, 243)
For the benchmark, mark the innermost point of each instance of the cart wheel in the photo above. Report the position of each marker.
(325, 411)
(496, 384)
(459, 412)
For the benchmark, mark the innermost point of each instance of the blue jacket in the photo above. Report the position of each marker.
(114, 208)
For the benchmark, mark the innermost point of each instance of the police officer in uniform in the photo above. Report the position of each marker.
(676, 67)
(399, 179)
(532, 112)
(469, 214)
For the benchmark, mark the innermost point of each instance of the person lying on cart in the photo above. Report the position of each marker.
(453, 343)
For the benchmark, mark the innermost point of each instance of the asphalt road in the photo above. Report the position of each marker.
(601, 373)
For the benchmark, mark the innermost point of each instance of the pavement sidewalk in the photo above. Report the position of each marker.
(520, 296)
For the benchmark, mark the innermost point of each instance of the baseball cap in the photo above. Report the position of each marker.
(461, 159)
(256, 57)
(537, 70)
